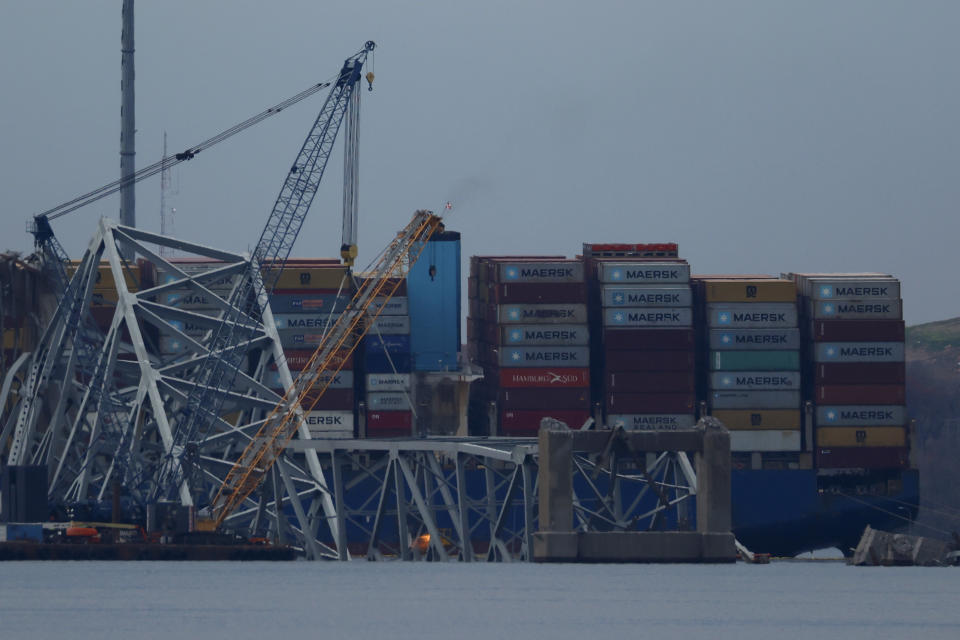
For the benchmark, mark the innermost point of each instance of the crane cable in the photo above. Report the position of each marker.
(170, 161)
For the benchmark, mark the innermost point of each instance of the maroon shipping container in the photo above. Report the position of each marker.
(861, 394)
(527, 423)
(650, 402)
(619, 360)
(863, 457)
(379, 420)
(860, 373)
(679, 339)
(858, 330)
(540, 398)
(651, 381)
(536, 293)
(561, 377)
(331, 399)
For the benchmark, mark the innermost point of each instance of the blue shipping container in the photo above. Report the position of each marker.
(433, 292)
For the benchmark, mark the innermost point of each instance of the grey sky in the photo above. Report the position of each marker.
(762, 136)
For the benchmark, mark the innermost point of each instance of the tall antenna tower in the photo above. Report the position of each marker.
(166, 215)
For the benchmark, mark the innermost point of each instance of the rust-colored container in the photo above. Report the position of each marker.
(651, 382)
(766, 290)
(534, 293)
(861, 437)
(862, 457)
(860, 373)
(527, 423)
(619, 360)
(331, 399)
(648, 338)
(540, 398)
(560, 377)
(861, 394)
(858, 330)
(650, 402)
(377, 421)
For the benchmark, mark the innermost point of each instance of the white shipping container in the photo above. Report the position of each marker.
(330, 421)
(542, 313)
(389, 401)
(523, 271)
(340, 380)
(751, 314)
(858, 352)
(764, 440)
(645, 272)
(861, 416)
(755, 380)
(388, 381)
(395, 306)
(391, 325)
(856, 309)
(652, 421)
(648, 317)
(646, 296)
(839, 288)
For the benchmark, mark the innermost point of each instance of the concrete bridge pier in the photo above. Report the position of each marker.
(556, 541)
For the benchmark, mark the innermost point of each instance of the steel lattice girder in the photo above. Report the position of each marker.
(476, 498)
(88, 450)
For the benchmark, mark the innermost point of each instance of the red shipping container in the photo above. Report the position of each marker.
(863, 457)
(651, 381)
(538, 398)
(389, 420)
(858, 330)
(678, 339)
(527, 423)
(861, 394)
(537, 293)
(619, 360)
(574, 377)
(860, 373)
(650, 402)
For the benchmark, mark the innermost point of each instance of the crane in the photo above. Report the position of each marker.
(229, 346)
(335, 348)
(72, 356)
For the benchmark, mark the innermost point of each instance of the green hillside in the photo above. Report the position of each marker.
(934, 336)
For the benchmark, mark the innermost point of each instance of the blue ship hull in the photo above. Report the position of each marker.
(786, 512)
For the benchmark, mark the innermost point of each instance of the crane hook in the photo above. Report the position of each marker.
(369, 77)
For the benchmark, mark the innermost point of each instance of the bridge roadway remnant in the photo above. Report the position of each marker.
(557, 541)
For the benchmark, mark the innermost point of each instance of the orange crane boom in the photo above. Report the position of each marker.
(335, 348)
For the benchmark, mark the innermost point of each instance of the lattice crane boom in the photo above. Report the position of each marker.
(335, 348)
(229, 345)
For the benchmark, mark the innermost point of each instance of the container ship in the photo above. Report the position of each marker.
(805, 369)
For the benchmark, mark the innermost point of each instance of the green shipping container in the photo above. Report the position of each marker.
(754, 360)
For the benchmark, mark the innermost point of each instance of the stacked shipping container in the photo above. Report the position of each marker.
(643, 365)
(306, 300)
(751, 343)
(387, 367)
(528, 330)
(856, 351)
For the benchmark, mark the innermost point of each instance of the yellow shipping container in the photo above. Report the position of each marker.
(10, 339)
(751, 291)
(861, 437)
(759, 419)
(325, 277)
(105, 281)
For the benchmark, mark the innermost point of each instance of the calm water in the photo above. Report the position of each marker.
(363, 600)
